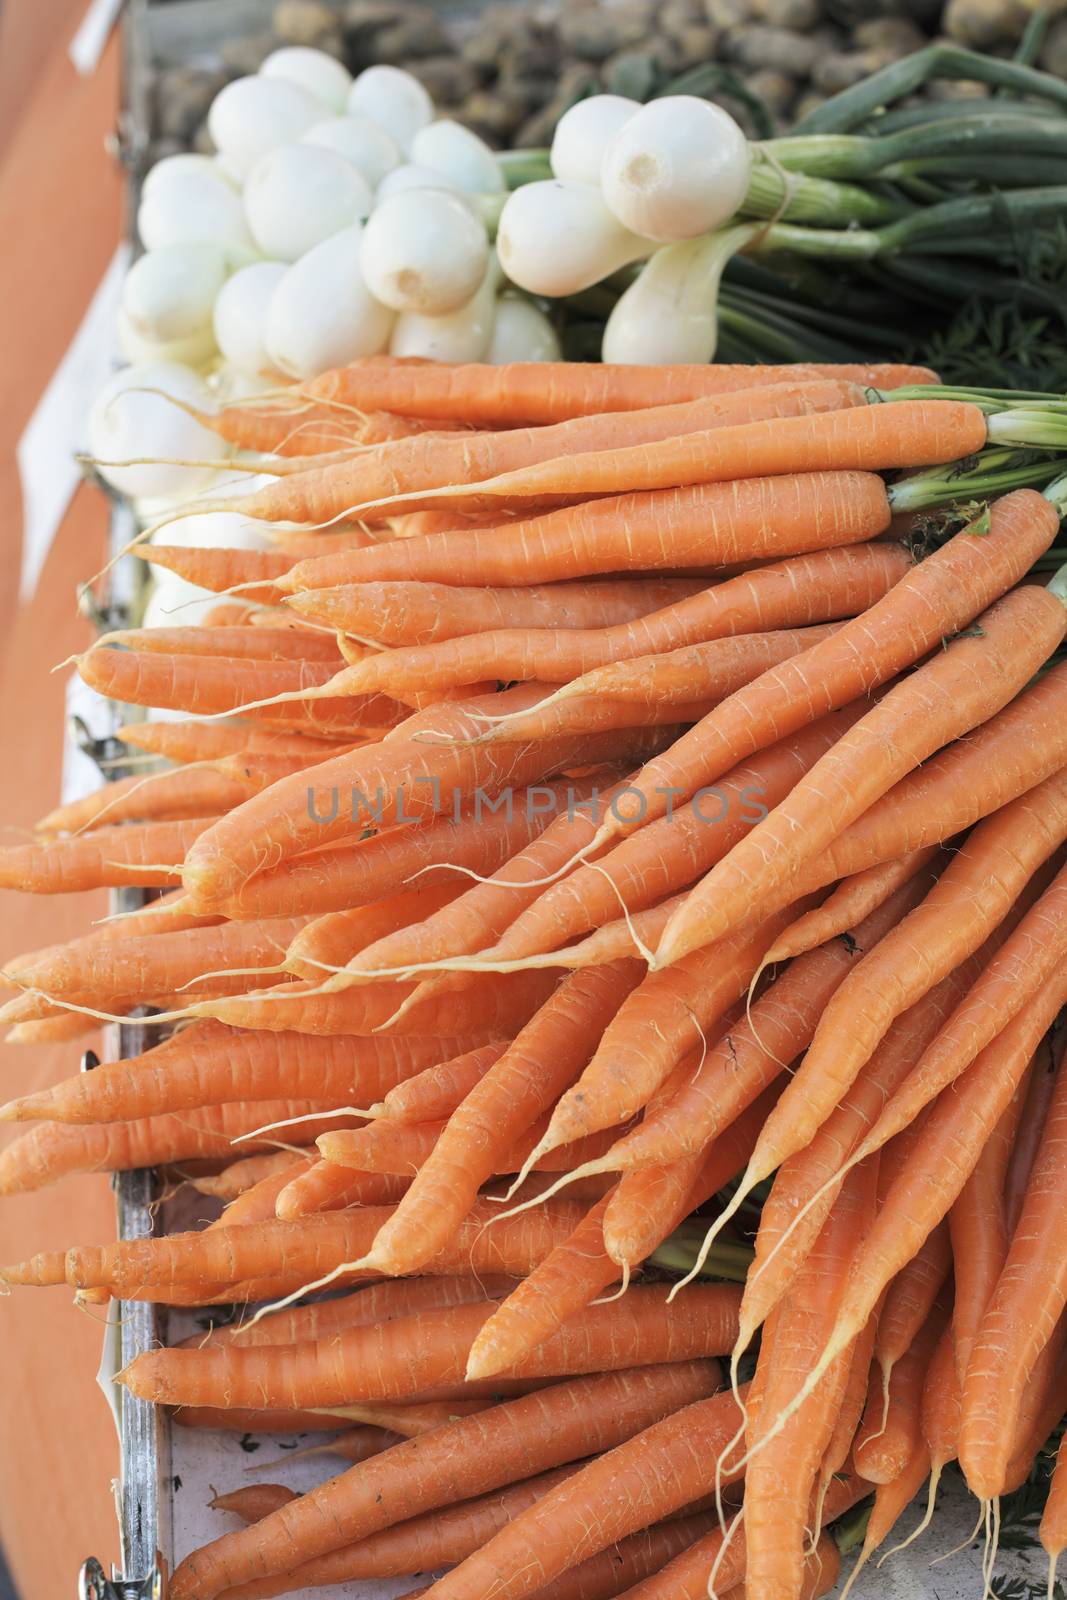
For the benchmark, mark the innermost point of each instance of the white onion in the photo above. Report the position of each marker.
(424, 252)
(462, 335)
(195, 350)
(669, 313)
(521, 332)
(410, 176)
(372, 151)
(394, 100)
(185, 162)
(241, 312)
(168, 294)
(127, 426)
(448, 147)
(678, 168)
(583, 134)
(322, 314)
(253, 115)
(321, 75)
(299, 195)
(560, 238)
(188, 206)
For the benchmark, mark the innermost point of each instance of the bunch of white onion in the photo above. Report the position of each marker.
(339, 218)
(633, 183)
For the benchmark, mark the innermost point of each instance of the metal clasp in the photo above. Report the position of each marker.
(93, 1584)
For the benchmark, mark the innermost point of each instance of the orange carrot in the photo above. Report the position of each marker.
(979, 1231)
(913, 433)
(296, 1251)
(550, 392)
(468, 1458)
(708, 525)
(234, 1180)
(209, 741)
(941, 595)
(437, 1538)
(148, 853)
(240, 643)
(155, 797)
(664, 1019)
(969, 681)
(214, 684)
(430, 1351)
(853, 900)
(750, 1056)
(51, 1151)
(890, 1434)
(437, 1090)
(545, 1058)
(396, 778)
(404, 1148)
(653, 1474)
(253, 572)
(381, 1302)
(1024, 1309)
(779, 1485)
(404, 468)
(906, 1308)
(210, 1064)
(426, 613)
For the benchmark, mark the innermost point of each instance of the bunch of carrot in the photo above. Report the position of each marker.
(607, 810)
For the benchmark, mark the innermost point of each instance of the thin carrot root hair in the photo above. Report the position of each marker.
(609, 1299)
(740, 1195)
(590, 1169)
(887, 1372)
(226, 465)
(720, 1554)
(928, 1516)
(233, 972)
(292, 1122)
(971, 1537)
(647, 956)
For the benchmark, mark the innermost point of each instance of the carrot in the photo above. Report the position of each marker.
(216, 684)
(234, 1180)
(908, 1305)
(1019, 1320)
(649, 1477)
(253, 572)
(502, 1003)
(56, 1029)
(381, 1302)
(298, 1251)
(209, 741)
(93, 971)
(750, 1055)
(322, 1186)
(649, 1202)
(254, 1501)
(405, 468)
(471, 1457)
(240, 643)
(665, 1017)
(256, 1203)
(326, 943)
(979, 1232)
(430, 1350)
(148, 853)
(303, 428)
(438, 1090)
(398, 777)
(437, 1538)
(779, 1486)
(890, 1434)
(1044, 1403)
(942, 1159)
(1041, 1084)
(51, 1151)
(890, 1502)
(427, 613)
(155, 797)
(970, 680)
(939, 1415)
(853, 900)
(969, 900)
(913, 433)
(481, 838)
(210, 1064)
(705, 526)
(941, 595)
(837, 1456)
(673, 851)
(550, 392)
(404, 1148)
(545, 1058)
